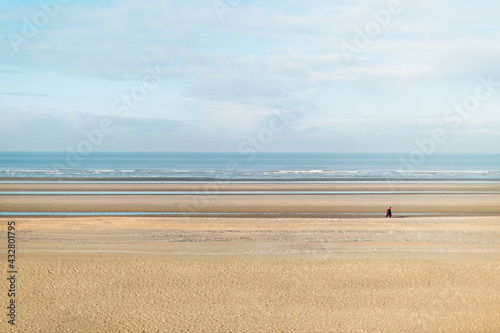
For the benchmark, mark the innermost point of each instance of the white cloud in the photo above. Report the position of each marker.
(264, 56)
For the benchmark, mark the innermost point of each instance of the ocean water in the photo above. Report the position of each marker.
(262, 167)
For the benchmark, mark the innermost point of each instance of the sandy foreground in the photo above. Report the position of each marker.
(256, 274)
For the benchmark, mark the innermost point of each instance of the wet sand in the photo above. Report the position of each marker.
(461, 199)
(219, 186)
(257, 274)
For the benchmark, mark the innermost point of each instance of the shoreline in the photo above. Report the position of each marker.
(255, 199)
(248, 186)
(251, 180)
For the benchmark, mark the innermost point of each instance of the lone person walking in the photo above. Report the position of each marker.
(389, 212)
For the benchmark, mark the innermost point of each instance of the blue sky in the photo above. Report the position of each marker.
(215, 79)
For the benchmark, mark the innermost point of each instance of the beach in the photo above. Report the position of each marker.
(216, 261)
(219, 197)
(232, 166)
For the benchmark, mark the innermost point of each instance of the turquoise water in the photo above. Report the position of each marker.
(265, 166)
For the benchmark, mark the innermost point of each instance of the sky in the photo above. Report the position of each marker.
(235, 75)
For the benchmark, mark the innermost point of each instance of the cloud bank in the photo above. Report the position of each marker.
(224, 77)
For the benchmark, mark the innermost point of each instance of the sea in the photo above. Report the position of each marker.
(317, 167)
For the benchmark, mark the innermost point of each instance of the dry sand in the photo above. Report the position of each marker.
(256, 274)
